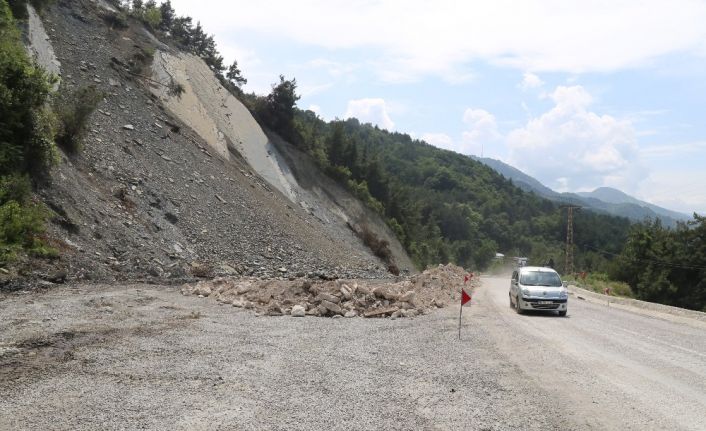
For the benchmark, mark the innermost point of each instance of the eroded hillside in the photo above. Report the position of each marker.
(162, 191)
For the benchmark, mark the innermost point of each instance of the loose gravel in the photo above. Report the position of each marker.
(146, 357)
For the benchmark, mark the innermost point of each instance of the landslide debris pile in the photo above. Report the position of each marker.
(409, 297)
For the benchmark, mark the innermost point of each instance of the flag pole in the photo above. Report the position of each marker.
(460, 313)
(464, 298)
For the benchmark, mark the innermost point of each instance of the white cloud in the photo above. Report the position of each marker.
(530, 80)
(481, 129)
(316, 109)
(569, 147)
(537, 35)
(677, 189)
(440, 140)
(370, 111)
(308, 90)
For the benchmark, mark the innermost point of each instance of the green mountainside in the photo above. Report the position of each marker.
(444, 206)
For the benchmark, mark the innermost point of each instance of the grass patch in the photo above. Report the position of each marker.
(599, 282)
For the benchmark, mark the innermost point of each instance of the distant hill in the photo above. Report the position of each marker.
(603, 199)
(614, 196)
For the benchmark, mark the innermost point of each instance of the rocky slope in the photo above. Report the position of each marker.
(151, 196)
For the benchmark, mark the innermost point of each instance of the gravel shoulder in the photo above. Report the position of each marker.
(146, 357)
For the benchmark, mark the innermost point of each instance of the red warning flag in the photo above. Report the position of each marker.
(464, 297)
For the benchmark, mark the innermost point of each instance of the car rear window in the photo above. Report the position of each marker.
(540, 278)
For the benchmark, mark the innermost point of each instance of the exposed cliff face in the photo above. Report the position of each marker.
(168, 187)
(39, 45)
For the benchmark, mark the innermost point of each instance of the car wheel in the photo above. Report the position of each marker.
(562, 313)
(509, 295)
(517, 305)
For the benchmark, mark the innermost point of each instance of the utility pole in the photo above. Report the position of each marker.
(569, 262)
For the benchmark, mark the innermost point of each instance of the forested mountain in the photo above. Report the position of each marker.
(604, 199)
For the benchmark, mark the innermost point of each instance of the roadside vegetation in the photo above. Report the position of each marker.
(600, 282)
(27, 151)
(665, 265)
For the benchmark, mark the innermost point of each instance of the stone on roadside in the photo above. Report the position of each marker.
(298, 311)
(330, 306)
(129, 127)
(323, 296)
(351, 313)
(408, 297)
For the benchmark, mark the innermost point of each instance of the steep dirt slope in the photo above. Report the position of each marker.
(229, 128)
(148, 197)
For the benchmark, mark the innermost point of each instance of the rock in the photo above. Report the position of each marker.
(346, 292)
(129, 127)
(410, 313)
(408, 297)
(113, 83)
(4, 271)
(243, 288)
(379, 292)
(330, 306)
(282, 269)
(362, 290)
(396, 314)
(57, 277)
(380, 312)
(351, 313)
(226, 269)
(298, 311)
(323, 296)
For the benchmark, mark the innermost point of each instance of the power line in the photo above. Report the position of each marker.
(656, 262)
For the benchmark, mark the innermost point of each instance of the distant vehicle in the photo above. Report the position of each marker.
(521, 261)
(537, 288)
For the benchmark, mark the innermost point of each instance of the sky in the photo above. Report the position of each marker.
(576, 94)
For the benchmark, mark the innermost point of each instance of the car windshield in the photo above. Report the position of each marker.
(540, 278)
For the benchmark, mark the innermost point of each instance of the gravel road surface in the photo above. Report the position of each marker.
(614, 369)
(146, 357)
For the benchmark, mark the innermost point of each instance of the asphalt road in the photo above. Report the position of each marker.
(146, 357)
(614, 369)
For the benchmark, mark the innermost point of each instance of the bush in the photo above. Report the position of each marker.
(379, 247)
(15, 187)
(116, 20)
(21, 227)
(73, 113)
(26, 131)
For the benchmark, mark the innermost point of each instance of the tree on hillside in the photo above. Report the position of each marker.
(168, 14)
(25, 133)
(235, 76)
(279, 106)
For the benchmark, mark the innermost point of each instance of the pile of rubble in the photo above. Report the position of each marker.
(434, 288)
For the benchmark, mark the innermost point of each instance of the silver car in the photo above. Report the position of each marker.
(537, 288)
